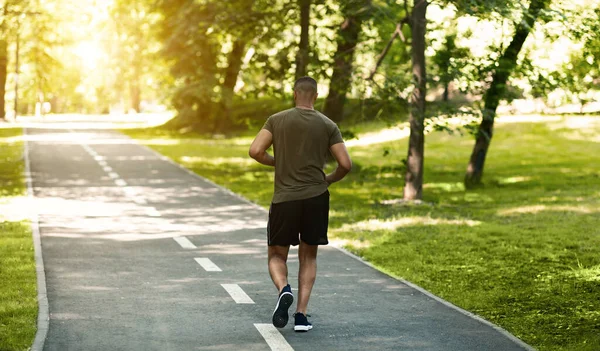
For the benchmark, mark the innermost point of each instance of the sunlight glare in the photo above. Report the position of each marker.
(377, 224)
(90, 53)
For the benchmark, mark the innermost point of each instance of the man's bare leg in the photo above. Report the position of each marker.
(307, 255)
(278, 265)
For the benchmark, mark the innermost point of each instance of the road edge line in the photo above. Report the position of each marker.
(476, 317)
(442, 301)
(43, 319)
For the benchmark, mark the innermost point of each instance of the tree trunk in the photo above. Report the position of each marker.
(135, 96)
(506, 65)
(446, 91)
(342, 66)
(234, 64)
(302, 55)
(3, 73)
(135, 90)
(413, 188)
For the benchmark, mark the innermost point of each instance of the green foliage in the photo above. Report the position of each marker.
(523, 251)
(579, 77)
(450, 61)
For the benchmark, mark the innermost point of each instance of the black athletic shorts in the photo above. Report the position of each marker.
(306, 219)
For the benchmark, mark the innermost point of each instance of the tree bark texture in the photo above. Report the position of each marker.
(303, 51)
(3, 61)
(135, 91)
(234, 65)
(495, 92)
(413, 187)
(135, 95)
(353, 11)
(3, 74)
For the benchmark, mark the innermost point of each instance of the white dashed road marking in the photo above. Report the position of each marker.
(207, 264)
(237, 294)
(274, 339)
(271, 335)
(138, 200)
(184, 242)
(152, 212)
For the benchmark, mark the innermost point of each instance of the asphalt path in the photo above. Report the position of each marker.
(141, 254)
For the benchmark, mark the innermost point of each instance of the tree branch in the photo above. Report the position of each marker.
(397, 33)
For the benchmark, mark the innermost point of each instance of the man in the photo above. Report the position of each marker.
(302, 139)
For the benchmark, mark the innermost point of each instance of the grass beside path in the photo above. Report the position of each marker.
(18, 294)
(523, 251)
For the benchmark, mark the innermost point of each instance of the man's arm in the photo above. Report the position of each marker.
(340, 153)
(258, 149)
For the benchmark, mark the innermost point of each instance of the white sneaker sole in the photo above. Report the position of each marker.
(302, 328)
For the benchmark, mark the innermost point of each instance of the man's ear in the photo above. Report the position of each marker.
(295, 95)
(315, 98)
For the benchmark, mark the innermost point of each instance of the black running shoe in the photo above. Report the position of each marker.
(285, 300)
(302, 324)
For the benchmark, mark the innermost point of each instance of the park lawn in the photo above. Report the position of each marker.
(523, 251)
(18, 294)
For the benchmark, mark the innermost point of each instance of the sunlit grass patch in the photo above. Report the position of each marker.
(395, 223)
(590, 274)
(554, 208)
(522, 251)
(18, 302)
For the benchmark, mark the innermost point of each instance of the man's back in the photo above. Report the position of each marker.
(301, 142)
(299, 215)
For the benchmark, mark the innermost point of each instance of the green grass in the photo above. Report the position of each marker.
(18, 295)
(523, 251)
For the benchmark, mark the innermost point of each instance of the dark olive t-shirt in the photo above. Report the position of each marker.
(301, 141)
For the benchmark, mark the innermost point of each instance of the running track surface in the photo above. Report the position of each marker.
(140, 254)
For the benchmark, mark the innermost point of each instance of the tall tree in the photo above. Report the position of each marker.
(413, 187)
(505, 66)
(234, 64)
(302, 56)
(3, 74)
(241, 24)
(354, 12)
(133, 39)
(3, 56)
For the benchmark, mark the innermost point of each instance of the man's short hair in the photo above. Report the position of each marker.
(306, 85)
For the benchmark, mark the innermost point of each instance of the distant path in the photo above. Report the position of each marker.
(142, 255)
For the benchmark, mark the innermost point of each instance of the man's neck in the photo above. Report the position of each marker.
(305, 107)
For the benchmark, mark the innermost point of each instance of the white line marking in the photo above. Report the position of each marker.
(207, 264)
(237, 294)
(274, 339)
(102, 163)
(153, 212)
(113, 175)
(43, 316)
(184, 242)
(130, 191)
(99, 158)
(137, 200)
(120, 182)
(265, 211)
(107, 168)
(87, 148)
